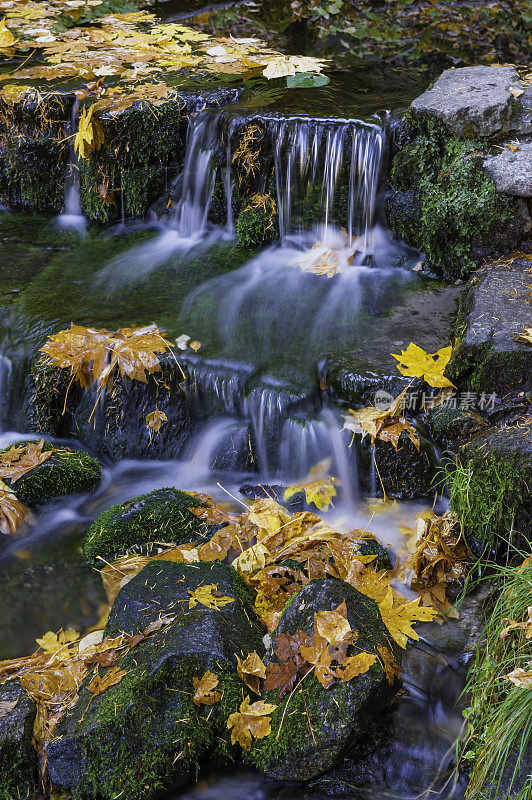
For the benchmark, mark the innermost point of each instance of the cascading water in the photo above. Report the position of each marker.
(72, 216)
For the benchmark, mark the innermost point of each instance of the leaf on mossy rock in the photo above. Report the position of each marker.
(205, 693)
(90, 135)
(209, 596)
(17, 461)
(251, 671)
(417, 363)
(155, 419)
(13, 513)
(252, 721)
(100, 683)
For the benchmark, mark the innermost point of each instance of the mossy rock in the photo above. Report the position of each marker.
(372, 547)
(313, 727)
(445, 204)
(145, 733)
(18, 759)
(66, 472)
(490, 487)
(450, 427)
(161, 516)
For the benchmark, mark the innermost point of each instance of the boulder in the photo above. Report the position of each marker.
(511, 169)
(145, 733)
(313, 727)
(490, 487)
(160, 516)
(67, 472)
(494, 307)
(18, 759)
(473, 101)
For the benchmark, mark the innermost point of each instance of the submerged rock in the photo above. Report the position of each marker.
(494, 308)
(473, 101)
(162, 516)
(313, 727)
(511, 169)
(67, 472)
(145, 732)
(18, 759)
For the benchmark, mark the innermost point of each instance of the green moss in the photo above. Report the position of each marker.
(458, 201)
(256, 226)
(66, 472)
(490, 490)
(16, 778)
(160, 516)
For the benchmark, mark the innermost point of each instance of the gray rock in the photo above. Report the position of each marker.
(473, 101)
(313, 727)
(145, 733)
(18, 759)
(512, 170)
(496, 304)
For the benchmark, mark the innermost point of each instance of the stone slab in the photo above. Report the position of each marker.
(511, 169)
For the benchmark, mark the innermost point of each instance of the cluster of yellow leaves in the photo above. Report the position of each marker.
(19, 460)
(90, 136)
(441, 556)
(416, 363)
(53, 675)
(384, 424)
(95, 356)
(134, 51)
(320, 492)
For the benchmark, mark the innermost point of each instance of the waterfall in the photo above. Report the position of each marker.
(72, 216)
(6, 370)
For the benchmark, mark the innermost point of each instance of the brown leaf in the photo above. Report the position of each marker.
(251, 721)
(17, 461)
(204, 690)
(100, 683)
(6, 706)
(13, 513)
(391, 666)
(251, 670)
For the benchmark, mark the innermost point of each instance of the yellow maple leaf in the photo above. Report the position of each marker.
(204, 690)
(155, 419)
(208, 596)
(251, 670)
(332, 625)
(53, 642)
(13, 513)
(7, 39)
(320, 493)
(357, 665)
(416, 363)
(90, 135)
(252, 721)
(399, 617)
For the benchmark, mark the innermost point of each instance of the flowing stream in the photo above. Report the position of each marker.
(249, 425)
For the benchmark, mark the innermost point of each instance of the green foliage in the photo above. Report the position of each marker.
(498, 721)
(160, 516)
(66, 472)
(459, 203)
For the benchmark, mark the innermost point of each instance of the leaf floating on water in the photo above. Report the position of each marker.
(209, 596)
(155, 419)
(252, 721)
(417, 363)
(204, 690)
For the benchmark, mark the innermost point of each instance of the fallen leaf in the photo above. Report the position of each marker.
(391, 666)
(209, 596)
(319, 492)
(90, 135)
(523, 336)
(155, 419)
(17, 461)
(100, 683)
(250, 722)
(416, 363)
(204, 690)
(353, 666)
(13, 513)
(520, 678)
(6, 706)
(251, 670)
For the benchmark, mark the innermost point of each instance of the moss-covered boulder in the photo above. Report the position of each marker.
(66, 472)
(494, 309)
(113, 425)
(490, 483)
(445, 204)
(162, 516)
(18, 759)
(313, 727)
(145, 732)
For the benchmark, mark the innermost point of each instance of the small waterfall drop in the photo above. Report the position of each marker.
(6, 371)
(72, 217)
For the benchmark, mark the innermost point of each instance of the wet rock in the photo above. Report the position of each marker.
(511, 170)
(494, 307)
(403, 473)
(161, 516)
(473, 101)
(490, 488)
(145, 733)
(67, 472)
(449, 427)
(18, 759)
(114, 425)
(313, 727)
